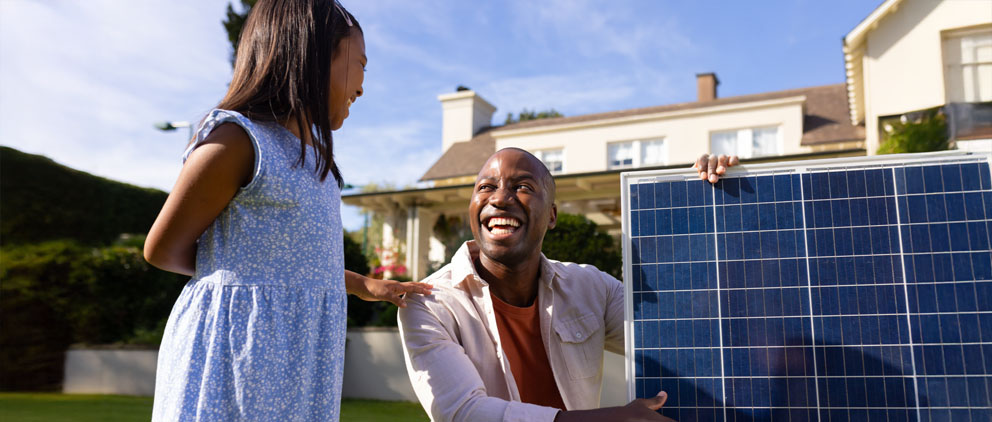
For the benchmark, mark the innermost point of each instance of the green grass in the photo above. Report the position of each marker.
(51, 407)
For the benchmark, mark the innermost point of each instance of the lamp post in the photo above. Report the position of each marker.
(171, 126)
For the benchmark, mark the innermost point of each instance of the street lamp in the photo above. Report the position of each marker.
(171, 126)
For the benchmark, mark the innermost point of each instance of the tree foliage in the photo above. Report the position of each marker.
(234, 22)
(924, 134)
(576, 239)
(526, 115)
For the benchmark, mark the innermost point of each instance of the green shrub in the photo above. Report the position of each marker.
(44, 200)
(928, 133)
(61, 292)
(576, 239)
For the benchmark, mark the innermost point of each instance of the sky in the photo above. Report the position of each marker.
(84, 83)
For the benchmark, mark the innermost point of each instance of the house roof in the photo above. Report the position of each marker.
(463, 158)
(825, 120)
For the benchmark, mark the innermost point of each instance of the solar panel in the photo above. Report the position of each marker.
(846, 289)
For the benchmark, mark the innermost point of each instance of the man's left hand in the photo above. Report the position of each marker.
(711, 167)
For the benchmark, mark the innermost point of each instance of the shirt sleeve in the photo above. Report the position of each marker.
(445, 379)
(614, 340)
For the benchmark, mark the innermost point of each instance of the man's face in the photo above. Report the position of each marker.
(512, 207)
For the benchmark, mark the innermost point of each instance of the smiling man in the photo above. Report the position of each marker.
(509, 335)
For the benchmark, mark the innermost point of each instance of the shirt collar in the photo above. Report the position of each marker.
(463, 267)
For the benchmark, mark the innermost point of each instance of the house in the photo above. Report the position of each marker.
(913, 55)
(907, 56)
(587, 153)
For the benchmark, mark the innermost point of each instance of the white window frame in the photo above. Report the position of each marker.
(962, 78)
(609, 154)
(637, 153)
(744, 141)
(541, 154)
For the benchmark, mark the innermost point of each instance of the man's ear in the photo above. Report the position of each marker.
(554, 216)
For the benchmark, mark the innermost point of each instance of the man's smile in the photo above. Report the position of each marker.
(501, 226)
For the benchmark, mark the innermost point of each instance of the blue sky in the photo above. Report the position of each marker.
(84, 82)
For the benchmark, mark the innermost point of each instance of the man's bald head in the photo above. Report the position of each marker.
(543, 173)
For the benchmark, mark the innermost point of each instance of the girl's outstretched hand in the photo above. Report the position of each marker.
(711, 167)
(372, 289)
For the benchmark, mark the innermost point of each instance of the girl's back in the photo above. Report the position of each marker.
(262, 321)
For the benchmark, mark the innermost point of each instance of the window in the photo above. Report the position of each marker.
(653, 153)
(968, 66)
(620, 155)
(746, 143)
(553, 159)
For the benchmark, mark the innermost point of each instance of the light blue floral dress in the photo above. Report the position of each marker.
(258, 333)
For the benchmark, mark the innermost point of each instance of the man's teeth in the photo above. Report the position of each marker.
(502, 221)
(503, 225)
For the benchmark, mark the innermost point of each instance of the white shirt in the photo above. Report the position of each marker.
(452, 346)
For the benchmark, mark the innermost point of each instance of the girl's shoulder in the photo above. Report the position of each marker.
(237, 132)
(215, 119)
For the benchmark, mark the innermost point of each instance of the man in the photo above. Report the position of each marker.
(507, 334)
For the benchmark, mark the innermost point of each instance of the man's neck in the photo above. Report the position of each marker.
(515, 285)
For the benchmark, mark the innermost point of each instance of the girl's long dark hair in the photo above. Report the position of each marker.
(282, 70)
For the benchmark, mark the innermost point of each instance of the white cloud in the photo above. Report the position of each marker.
(597, 29)
(575, 93)
(84, 82)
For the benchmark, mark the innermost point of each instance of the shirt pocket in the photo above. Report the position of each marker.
(581, 345)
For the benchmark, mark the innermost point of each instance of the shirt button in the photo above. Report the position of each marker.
(578, 334)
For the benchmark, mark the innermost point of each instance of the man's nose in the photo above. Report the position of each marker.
(502, 197)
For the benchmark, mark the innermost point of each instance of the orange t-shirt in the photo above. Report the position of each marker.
(520, 332)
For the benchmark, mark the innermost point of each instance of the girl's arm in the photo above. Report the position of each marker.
(211, 176)
(371, 289)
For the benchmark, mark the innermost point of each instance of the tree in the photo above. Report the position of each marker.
(234, 22)
(927, 132)
(576, 239)
(526, 115)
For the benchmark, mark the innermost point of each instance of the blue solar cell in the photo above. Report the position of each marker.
(662, 195)
(678, 194)
(815, 271)
(645, 194)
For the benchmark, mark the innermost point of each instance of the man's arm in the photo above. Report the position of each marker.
(445, 379)
(614, 318)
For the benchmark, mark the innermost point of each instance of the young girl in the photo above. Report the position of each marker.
(259, 331)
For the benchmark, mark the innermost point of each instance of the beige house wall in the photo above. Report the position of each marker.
(903, 64)
(686, 133)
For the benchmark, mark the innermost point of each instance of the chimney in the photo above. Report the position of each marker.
(463, 113)
(706, 86)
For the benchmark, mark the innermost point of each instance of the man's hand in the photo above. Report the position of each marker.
(711, 167)
(639, 410)
(372, 289)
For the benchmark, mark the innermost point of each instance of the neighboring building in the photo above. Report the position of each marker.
(907, 56)
(912, 55)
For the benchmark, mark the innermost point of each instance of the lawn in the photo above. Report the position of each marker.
(51, 407)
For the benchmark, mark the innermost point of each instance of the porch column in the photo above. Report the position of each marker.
(419, 227)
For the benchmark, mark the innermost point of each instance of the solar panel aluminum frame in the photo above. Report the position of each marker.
(776, 168)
